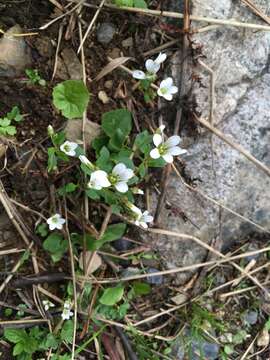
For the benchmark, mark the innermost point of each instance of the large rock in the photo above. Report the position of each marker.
(14, 53)
(240, 59)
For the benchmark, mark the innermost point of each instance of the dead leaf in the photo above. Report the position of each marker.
(95, 263)
(263, 338)
(74, 131)
(179, 299)
(113, 64)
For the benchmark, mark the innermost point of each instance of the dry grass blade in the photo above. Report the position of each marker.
(177, 15)
(235, 146)
(113, 64)
(256, 10)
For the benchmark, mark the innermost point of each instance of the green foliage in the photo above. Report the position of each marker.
(56, 245)
(34, 77)
(67, 331)
(42, 230)
(67, 189)
(113, 232)
(141, 288)
(5, 123)
(117, 312)
(112, 296)
(26, 342)
(71, 97)
(131, 3)
(117, 126)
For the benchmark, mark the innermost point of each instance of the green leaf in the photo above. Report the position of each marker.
(142, 170)
(50, 341)
(18, 349)
(92, 194)
(112, 296)
(115, 120)
(143, 141)
(42, 230)
(141, 288)
(112, 233)
(128, 3)
(5, 122)
(71, 97)
(140, 4)
(56, 245)
(52, 160)
(11, 130)
(123, 157)
(156, 162)
(15, 335)
(99, 142)
(15, 114)
(103, 161)
(67, 189)
(67, 331)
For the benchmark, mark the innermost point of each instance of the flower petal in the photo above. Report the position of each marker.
(161, 58)
(168, 158)
(151, 66)
(172, 141)
(138, 74)
(121, 186)
(157, 139)
(176, 150)
(168, 96)
(166, 83)
(173, 89)
(155, 154)
(119, 169)
(143, 224)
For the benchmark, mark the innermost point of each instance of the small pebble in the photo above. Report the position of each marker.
(130, 271)
(105, 33)
(122, 245)
(103, 97)
(251, 317)
(209, 350)
(108, 84)
(154, 280)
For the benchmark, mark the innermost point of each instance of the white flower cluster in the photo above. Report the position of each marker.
(166, 88)
(67, 313)
(166, 149)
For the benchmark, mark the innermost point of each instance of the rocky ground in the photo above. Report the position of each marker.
(217, 195)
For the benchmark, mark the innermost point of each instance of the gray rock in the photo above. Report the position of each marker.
(240, 59)
(14, 53)
(154, 280)
(73, 65)
(105, 33)
(251, 317)
(197, 350)
(74, 131)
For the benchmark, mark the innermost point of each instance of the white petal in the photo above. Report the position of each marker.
(151, 66)
(138, 74)
(176, 150)
(155, 154)
(121, 187)
(51, 226)
(85, 161)
(102, 178)
(135, 209)
(157, 139)
(161, 58)
(173, 141)
(146, 217)
(168, 158)
(168, 96)
(119, 169)
(143, 224)
(167, 83)
(173, 89)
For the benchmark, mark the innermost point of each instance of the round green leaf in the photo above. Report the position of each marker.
(71, 97)
(112, 296)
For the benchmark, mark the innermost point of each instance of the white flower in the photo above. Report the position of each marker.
(167, 89)
(67, 313)
(98, 180)
(69, 148)
(56, 222)
(166, 149)
(85, 161)
(47, 304)
(141, 218)
(120, 176)
(152, 67)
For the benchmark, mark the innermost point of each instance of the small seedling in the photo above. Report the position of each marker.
(5, 123)
(34, 77)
